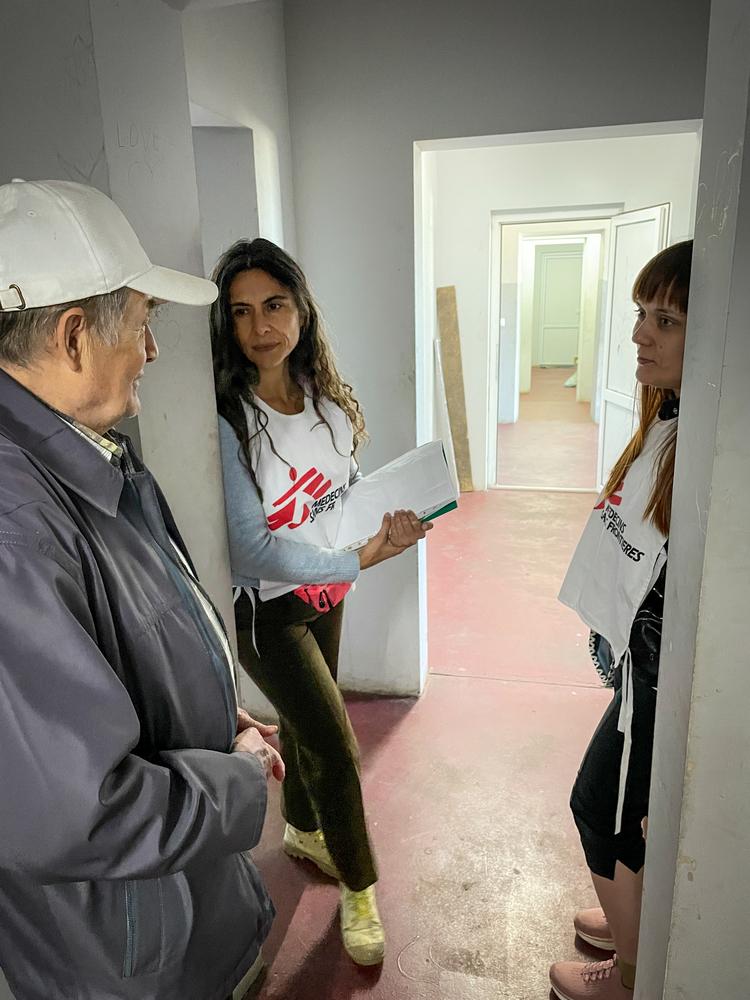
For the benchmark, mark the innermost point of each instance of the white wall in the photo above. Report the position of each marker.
(227, 196)
(236, 66)
(368, 80)
(472, 183)
(526, 290)
(431, 421)
(505, 313)
(424, 264)
(591, 283)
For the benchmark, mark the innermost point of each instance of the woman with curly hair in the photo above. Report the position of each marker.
(289, 429)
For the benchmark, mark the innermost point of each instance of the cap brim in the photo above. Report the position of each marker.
(175, 286)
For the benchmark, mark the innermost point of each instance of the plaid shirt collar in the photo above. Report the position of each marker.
(105, 446)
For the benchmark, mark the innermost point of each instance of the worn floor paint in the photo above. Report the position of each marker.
(554, 442)
(494, 571)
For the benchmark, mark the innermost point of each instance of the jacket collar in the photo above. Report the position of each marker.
(33, 426)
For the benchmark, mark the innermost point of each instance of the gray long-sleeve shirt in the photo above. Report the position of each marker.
(257, 553)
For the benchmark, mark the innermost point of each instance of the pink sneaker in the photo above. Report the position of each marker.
(593, 981)
(592, 927)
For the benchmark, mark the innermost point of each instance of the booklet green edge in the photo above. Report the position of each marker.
(453, 505)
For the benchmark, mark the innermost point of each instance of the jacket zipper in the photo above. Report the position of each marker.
(184, 585)
(130, 932)
(218, 662)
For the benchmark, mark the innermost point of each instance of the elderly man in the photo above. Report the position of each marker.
(130, 787)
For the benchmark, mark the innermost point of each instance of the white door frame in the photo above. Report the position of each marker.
(661, 215)
(571, 213)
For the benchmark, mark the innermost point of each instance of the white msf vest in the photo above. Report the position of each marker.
(615, 565)
(304, 482)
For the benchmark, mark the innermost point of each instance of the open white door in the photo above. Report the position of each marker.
(636, 238)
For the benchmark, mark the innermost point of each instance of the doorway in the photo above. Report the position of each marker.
(496, 633)
(480, 205)
(549, 290)
(560, 288)
(488, 217)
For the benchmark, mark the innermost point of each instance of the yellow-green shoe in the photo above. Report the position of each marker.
(310, 846)
(361, 928)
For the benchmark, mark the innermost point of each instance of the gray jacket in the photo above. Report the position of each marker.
(124, 818)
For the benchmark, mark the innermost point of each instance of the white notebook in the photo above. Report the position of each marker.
(420, 481)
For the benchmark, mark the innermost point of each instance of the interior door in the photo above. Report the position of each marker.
(559, 304)
(636, 238)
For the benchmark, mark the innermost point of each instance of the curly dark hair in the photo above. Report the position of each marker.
(312, 364)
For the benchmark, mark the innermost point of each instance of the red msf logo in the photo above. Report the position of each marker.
(312, 484)
(614, 498)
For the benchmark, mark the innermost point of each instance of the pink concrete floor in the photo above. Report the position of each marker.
(554, 442)
(466, 788)
(494, 571)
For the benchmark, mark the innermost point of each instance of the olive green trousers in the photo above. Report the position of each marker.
(296, 670)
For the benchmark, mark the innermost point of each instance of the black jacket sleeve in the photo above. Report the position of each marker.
(645, 635)
(645, 641)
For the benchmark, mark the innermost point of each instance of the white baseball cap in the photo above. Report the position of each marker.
(61, 241)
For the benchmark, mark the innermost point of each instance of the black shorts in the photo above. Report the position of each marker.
(595, 793)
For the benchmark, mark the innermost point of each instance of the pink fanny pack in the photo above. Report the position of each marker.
(323, 596)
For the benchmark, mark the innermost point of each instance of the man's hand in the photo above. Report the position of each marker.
(249, 739)
(398, 532)
(246, 721)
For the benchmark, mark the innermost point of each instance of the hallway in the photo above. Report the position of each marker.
(554, 442)
(467, 787)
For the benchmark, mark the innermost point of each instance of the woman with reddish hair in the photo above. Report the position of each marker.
(616, 584)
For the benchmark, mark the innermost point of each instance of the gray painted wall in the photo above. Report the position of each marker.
(49, 98)
(236, 69)
(236, 66)
(367, 80)
(148, 139)
(65, 89)
(225, 170)
(49, 105)
(69, 91)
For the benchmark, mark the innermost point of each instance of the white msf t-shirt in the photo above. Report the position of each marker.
(304, 482)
